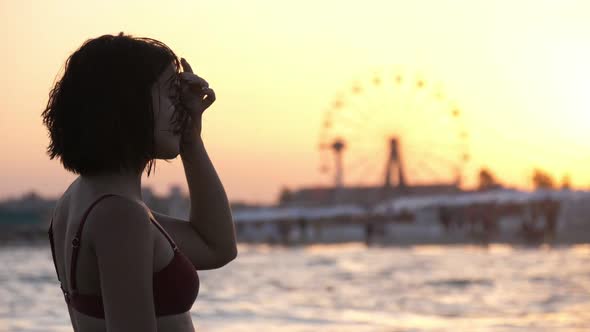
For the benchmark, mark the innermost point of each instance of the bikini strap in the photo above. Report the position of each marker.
(76, 240)
(163, 231)
(76, 243)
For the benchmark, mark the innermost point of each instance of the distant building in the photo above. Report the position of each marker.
(153, 201)
(178, 204)
(29, 213)
(319, 196)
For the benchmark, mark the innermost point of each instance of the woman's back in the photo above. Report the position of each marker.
(69, 212)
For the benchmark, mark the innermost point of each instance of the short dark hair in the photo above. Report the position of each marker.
(99, 114)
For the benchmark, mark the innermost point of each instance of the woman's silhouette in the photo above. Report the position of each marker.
(122, 103)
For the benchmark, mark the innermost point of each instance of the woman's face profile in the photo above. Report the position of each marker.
(163, 90)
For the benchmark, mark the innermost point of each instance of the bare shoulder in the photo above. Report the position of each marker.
(120, 231)
(61, 204)
(119, 217)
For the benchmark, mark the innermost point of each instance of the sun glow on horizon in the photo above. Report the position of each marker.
(518, 71)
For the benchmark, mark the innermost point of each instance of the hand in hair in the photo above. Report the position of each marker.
(196, 93)
(196, 96)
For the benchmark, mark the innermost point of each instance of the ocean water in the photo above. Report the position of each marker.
(348, 287)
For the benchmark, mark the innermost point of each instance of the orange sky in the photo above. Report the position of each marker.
(519, 70)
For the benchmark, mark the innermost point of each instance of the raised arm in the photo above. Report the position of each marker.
(210, 213)
(208, 238)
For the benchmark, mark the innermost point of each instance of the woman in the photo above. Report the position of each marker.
(122, 103)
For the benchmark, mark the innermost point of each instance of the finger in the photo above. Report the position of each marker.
(209, 96)
(191, 78)
(185, 66)
(196, 89)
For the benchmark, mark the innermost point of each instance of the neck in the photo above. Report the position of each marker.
(127, 184)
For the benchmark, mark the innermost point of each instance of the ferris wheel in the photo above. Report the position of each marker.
(393, 129)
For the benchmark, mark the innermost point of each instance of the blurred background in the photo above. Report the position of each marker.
(391, 165)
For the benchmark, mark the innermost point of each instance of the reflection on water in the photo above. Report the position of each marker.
(348, 288)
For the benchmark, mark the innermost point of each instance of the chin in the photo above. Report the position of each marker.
(172, 155)
(169, 152)
(173, 152)
(168, 149)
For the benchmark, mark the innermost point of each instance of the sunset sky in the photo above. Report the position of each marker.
(519, 71)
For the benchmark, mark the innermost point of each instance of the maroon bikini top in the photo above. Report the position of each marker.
(175, 287)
